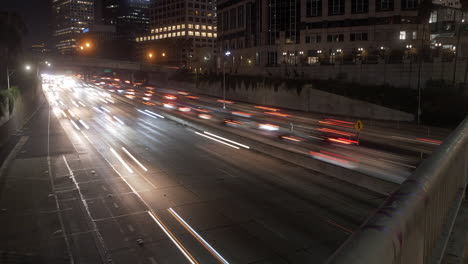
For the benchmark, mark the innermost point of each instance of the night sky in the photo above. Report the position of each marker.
(36, 14)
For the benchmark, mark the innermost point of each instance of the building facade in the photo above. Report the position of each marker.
(70, 18)
(292, 32)
(131, 18)
(182, 33)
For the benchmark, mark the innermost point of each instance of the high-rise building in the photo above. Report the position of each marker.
(70, 18)
(303, 32)
(130, 17)
(181, 33)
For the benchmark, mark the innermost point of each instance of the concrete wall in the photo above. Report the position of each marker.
(306, 99)
(25, 106)
(403, 75)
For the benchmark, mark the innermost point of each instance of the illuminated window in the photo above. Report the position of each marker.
(215, 28)
(165, 29)
(183, 25)
(156, 31)
(157, 36)
(203, 34)
(178, 26)
(152, 37)
(210, 27)
(197, 33)
(215, 35)
(210, 35)
(152, 31)
(190, 33)
(402, 34)
(173, 27)
(190, 25)
(182, 33)
(178, 33)
(165, 35)
(137, 39)
(144, 39)
(203, 27)
(169, 35)
(197, 26)
(160, 30)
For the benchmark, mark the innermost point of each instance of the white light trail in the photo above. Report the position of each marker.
(118, 120)
(134, 159)
(75, 104)
(225, 139)
(97, 109)
(222, 142)
(75, 125)
(105, 109)
(153, 113)
(199, 238)
(173, 239)
(71, 113)
(146, 113)
(84, 124)
(121, 160)
(81, 103)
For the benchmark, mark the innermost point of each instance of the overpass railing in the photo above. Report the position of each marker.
(414, 223)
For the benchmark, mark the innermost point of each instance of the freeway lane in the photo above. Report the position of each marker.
(384, 152)
(247, 207)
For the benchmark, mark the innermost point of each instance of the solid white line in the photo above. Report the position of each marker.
(218, 256)
(121, 160)
(75, 125)
(217, 140)
(84, 124)
(160, 116)
(225, 139)
(134, 159)
(170, 237)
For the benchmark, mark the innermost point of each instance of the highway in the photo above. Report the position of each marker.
(131, 187)
(92, 179)
(386, 150)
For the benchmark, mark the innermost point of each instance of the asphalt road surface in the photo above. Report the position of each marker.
(106, 183)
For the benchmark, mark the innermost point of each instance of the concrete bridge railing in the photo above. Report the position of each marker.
(413, 225)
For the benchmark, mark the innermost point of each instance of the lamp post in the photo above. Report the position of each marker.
(228, 53)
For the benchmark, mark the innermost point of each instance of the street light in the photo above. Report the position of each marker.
(88, 44)
(150, 55)
(164, 54)
(27, 67)
(228, 53)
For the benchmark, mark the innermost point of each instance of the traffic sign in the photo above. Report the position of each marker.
(359, 125)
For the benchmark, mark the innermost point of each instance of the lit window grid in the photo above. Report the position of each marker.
(172, 33)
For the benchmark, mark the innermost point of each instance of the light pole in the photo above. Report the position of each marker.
(228, 53)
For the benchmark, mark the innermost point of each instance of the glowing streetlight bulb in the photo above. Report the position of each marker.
(88, 45)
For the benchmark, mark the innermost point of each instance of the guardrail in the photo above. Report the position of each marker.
(414, 224)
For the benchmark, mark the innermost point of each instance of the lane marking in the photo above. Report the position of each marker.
(217, 140)
(225, 139)
(177, 243)
(134, 159)
(198, 237)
